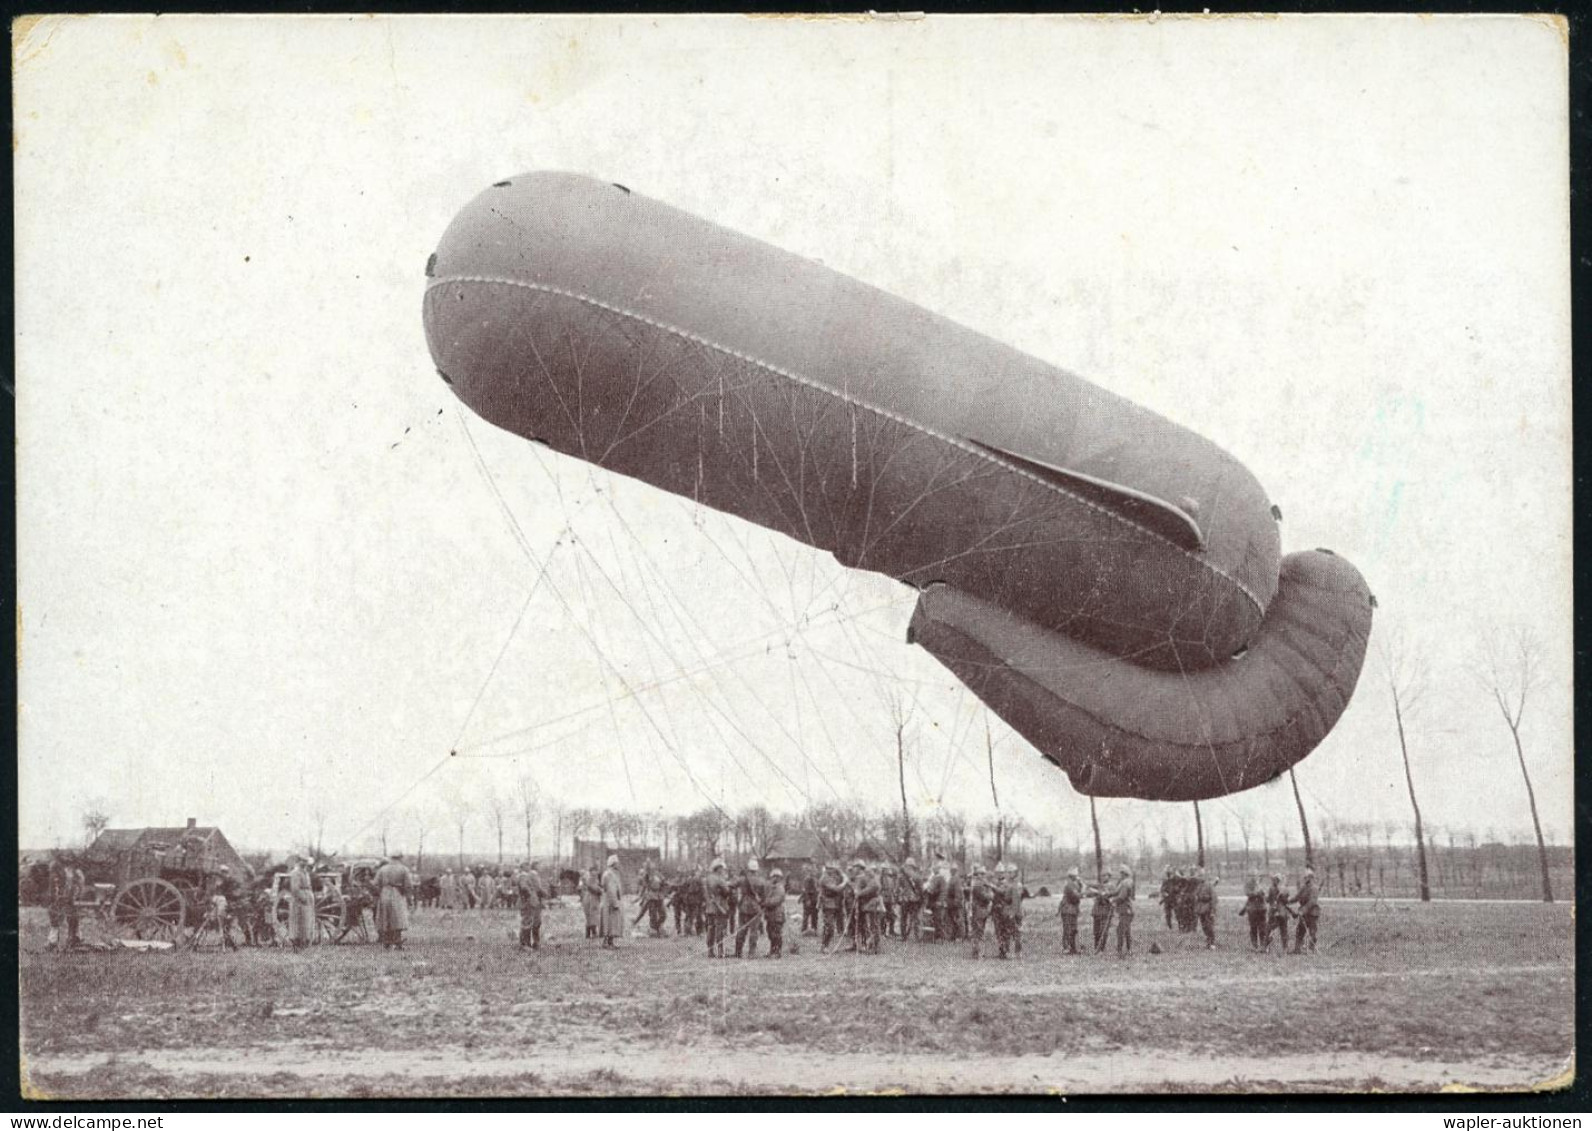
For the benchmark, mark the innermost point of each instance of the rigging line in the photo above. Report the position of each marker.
(689, 626)
(509, 639)
(950, 754)
(583, 591)
(651, 665)
(885, 692)
(393, 804)
(753, 647)
(596, 648)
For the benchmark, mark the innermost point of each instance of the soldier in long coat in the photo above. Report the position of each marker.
(1068, 908)
(610, 920)
(392, 902)
(716, 896)
(1122, 903)
(870, 908)
(1309, 911)
(531, 891)
(591, 899)
(301, 904)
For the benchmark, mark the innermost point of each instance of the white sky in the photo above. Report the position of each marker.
(260, 572)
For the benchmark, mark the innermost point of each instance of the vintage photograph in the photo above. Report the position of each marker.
(738, 556)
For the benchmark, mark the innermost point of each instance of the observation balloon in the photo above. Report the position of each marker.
(1106, 581)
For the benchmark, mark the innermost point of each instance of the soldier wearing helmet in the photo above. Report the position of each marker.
(774, 913)
(1068, 907)
(981, 899)
(1309, 911)
(716, 897)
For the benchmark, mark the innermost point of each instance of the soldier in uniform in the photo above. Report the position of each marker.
(981, 902)
(1277, 913)
(869, 908)
(651, 885)
(887, 899)
(1254, 910)
(531, 891)
(809, 901)
(392, 902)
(774, 913)
(696, 902)
(66, 888)
(1004, 909)
(1309, 911)
(610, 919)
(909, 891)
(1102, 913)
(591, 899)
(832, 904)
(301, 904)
(1068, 908)
(716, 899)
(955, 905)
(1168, 894)
(1187, 914)
(754, 893)
(1205, 906)
(1122, 903)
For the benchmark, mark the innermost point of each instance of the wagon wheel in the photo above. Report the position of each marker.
(149, 909)
(329, 908)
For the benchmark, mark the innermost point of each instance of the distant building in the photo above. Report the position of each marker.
(129, 854)
(594, 854)
(788, 851)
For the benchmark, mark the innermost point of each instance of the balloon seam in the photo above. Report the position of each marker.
(847, 398)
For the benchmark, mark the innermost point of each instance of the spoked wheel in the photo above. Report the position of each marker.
(329, 911)
(149, 909)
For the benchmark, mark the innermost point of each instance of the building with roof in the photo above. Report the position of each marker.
(790, 849)
(128, 854)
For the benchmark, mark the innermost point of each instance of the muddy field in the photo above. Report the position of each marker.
(1399, 997)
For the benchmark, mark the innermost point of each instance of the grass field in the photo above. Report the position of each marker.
(1400, 997)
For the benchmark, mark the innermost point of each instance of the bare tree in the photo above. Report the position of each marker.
(900, 715)
(497, 805)
(1000, 832)
(1510, 670)
(95, 819)
(460, 809)
(1406, 682)
(529, 798)
(1100, 856)
(420, 821)
(1304, 825)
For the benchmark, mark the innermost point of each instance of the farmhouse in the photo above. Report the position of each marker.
(789, 850)
(130, 853)
(594, 854)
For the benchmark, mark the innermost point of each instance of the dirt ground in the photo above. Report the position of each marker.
(1398, 997)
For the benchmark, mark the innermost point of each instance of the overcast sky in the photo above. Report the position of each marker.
(262, 571)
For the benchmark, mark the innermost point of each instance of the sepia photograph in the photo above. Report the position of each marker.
(734, 556)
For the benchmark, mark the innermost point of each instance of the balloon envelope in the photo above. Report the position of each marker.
(1087, 566)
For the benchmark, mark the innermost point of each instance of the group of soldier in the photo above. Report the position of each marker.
(850, 908)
